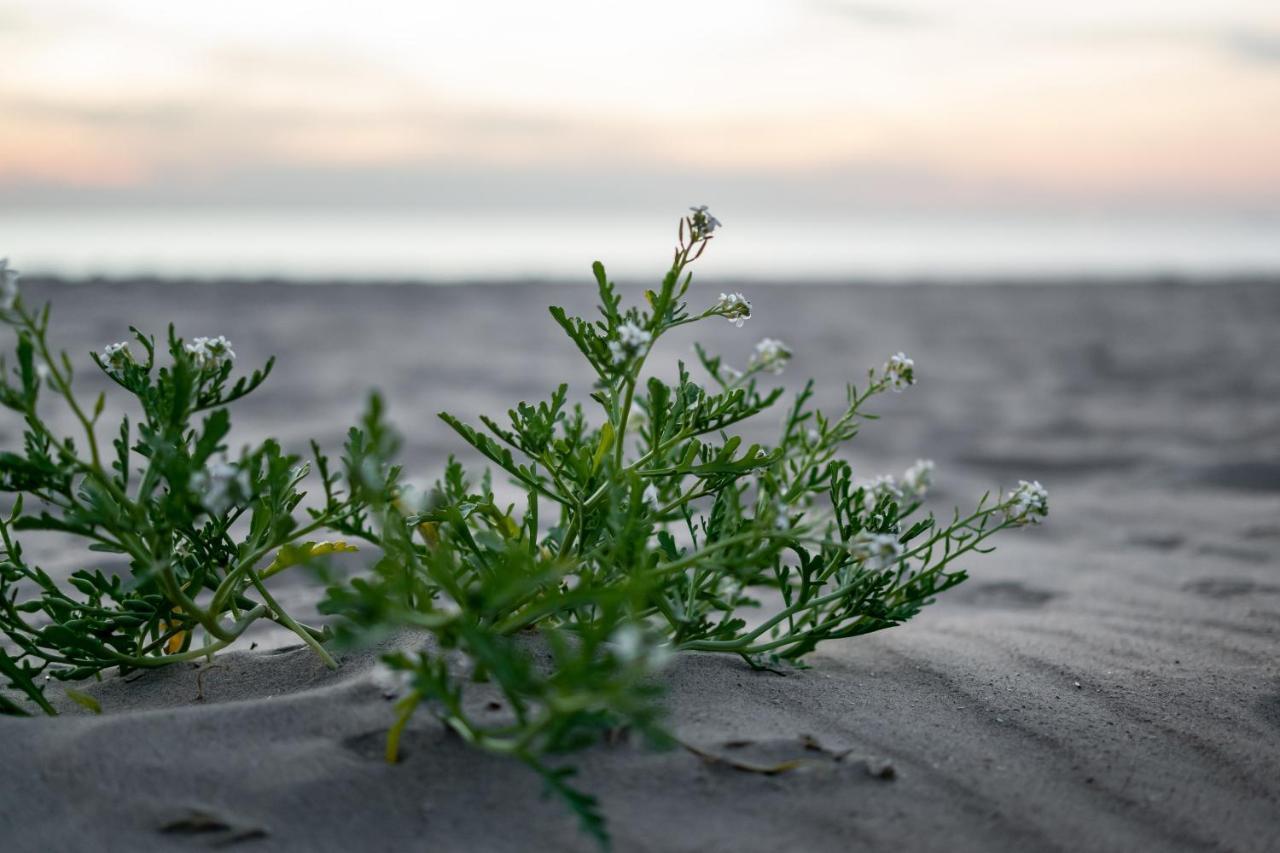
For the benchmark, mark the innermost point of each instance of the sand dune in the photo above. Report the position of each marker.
(1107, 682)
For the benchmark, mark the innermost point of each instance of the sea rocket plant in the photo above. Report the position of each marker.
(648, 528)
(193, 539)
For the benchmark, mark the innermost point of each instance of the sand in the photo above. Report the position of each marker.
(1106, 682)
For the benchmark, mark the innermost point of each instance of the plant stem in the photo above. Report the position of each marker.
(283, 618)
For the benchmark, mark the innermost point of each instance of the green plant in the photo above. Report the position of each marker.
(194, 528)
(648, 531)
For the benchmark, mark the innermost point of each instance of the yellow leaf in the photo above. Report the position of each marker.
(84, 700)
(292, 555)
(174, 644)
(428, 529)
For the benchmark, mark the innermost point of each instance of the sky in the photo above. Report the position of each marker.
(822, 106)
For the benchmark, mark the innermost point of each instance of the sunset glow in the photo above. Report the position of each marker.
(917, 104)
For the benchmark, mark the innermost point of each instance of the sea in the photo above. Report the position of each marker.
(441, 247)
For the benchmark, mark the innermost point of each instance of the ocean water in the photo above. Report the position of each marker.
(363, 245)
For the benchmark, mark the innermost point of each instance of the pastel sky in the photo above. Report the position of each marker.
(1116, 104)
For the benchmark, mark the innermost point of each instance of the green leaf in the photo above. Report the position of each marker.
(585, 806)
(609, 299)
(20, 677)
(107, 548)
(27, 366)
(602, 450)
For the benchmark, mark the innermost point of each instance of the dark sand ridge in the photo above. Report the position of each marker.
(1106, 682)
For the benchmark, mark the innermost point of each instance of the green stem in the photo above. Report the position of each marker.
(742, 644)
(152, 662)
(282, 617)
(233, 577)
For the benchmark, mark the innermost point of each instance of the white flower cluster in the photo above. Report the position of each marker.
(915, 482)
(631, 341)
(771, 354)
(116, 356)
(884, 486)
(734, 307)
(8, 286)
(629, 646)
(210, 353)
(917, 479)
(704, 224)
(900, 371)
(1028, 503)
(221, 486)
(875, 551)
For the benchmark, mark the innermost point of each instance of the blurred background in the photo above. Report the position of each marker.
(838, 140)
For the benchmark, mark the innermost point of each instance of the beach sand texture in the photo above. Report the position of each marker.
(1109, 681)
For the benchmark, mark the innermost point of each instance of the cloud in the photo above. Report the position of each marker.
(459, 185)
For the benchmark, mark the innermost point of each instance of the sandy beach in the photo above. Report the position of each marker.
(1109, 681)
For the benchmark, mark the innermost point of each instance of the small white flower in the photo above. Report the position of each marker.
(632, 335)
(628, 643)
(813, 436)
(650, 495)
(703, 222)
(210, 353)
(918, 478)
(730, 374)
(771, 354)
(882, 487)
(43, 373)
(630, 647)
(221, 486)
(875, 551)
(1028, 503)
(8, 286)
(116, 356)
(734, 307)
(900, 371)
(631, 340)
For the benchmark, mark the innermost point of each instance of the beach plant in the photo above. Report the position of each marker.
(181, 539)
(647, 529)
